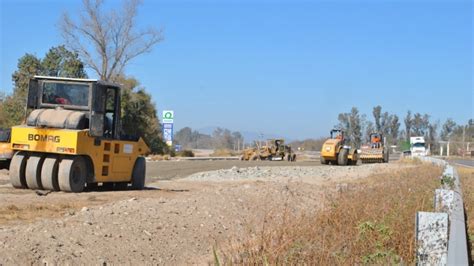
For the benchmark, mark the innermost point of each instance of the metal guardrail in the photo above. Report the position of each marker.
(449, 200)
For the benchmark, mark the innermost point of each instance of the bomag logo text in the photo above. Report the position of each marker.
(38, 137)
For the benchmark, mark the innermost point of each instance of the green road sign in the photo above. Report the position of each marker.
(168, 116)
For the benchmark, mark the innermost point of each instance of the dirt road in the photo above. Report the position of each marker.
(176, 221)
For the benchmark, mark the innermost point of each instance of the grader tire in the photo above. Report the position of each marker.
(138, 174)
(342, 157)
(49, 173)
(33, 171)
(72, 174)
(17, 170)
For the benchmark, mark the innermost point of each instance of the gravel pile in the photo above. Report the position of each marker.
(276, 173)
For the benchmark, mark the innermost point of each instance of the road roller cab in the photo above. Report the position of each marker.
(72, 138)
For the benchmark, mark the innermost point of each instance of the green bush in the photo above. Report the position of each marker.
(404, 145)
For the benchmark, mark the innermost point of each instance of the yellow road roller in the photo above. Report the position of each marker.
(336, 150)
(72, 139)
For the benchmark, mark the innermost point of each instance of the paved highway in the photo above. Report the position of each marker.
(464, 162)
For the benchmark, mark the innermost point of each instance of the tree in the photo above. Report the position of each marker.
(139, 116)
(420, 124)
(377, 112)
(57, 62)
(28, 66)
(432, 135)
(108, 41)
(184, 137)
(369, 128)
(447, 128)
(344, 122)
(351, 123)
(238, 140)
(385, 124)
(60, 62)
(394, 129)
(408, 125)
(356, 127)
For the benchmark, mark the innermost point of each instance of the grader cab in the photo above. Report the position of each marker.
(72, 138)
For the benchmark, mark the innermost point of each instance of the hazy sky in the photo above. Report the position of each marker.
(283, 67)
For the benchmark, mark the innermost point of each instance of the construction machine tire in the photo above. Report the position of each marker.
(108, 186)
(72, 174)
(121, 185)
(323, 160)
(17, 170)
(92, 186)
(254, 157)
(342, 157)
(49, 173)
(138, 174)
(33, 171)
(385, 157)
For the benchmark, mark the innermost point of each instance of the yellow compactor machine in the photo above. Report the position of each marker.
(72, 138)
(335, 150)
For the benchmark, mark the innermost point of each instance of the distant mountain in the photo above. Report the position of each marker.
(249, 136)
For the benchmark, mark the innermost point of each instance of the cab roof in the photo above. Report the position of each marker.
(101, 82)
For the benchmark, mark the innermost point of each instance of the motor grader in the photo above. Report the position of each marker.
(72, 138)
(336, 150)
(375, 151)
(274, 150)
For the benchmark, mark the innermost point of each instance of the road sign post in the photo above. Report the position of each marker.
(168, 121)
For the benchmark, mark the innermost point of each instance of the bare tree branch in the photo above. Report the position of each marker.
(108, 41)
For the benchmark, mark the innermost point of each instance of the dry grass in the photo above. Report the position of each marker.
(467, 183)
(372, 222)
(185, 153)
(223, 153)
(160, 157)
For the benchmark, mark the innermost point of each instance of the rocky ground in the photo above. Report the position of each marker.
(177, 221)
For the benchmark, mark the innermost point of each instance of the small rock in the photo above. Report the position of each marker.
(132, 199)
(84, 209)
